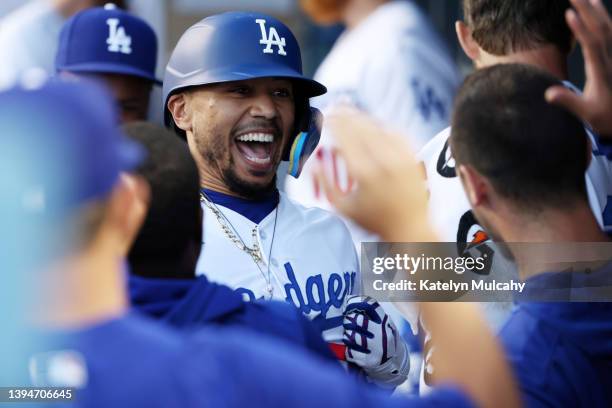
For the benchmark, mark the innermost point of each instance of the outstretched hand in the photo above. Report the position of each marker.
(592, 26)
(389, 196)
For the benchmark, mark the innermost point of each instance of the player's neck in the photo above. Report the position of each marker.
(218, 186)
(358, 10)
(81, 289)
(554, 226)
(547, 58)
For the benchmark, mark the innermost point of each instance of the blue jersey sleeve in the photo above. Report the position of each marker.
(266, 373)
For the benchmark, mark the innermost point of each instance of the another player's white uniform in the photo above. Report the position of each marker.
(28, 39)
(393, 66)
(448, 205)
(312, 260)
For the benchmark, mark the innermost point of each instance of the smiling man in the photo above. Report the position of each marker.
(234, 89)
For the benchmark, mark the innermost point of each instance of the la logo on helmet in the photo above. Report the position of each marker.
(117, 40)
(271, 38)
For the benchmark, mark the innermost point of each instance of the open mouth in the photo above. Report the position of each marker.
(257, 148)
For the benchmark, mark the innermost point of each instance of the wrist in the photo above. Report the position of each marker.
(410, 228)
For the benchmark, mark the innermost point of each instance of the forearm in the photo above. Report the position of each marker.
(467, 354)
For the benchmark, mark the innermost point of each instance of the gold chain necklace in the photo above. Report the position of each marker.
(231, 233)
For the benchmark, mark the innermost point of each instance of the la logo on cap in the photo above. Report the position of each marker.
(118, 40)
(271, 38)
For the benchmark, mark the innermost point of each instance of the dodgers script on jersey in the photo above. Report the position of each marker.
(394, 67)
(311, 259)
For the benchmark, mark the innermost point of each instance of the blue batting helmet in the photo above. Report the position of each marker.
(238, 46)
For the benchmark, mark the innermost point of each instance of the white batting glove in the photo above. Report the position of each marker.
(373, 342)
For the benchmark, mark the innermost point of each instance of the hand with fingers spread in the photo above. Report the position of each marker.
(592, 26)
(389, 196)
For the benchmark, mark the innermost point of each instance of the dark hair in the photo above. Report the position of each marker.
(173, 221)
(532, 152)
(501, 27)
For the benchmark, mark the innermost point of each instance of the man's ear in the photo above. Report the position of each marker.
(128, 209)
(468, 44)
(179, 109)
(477, 188)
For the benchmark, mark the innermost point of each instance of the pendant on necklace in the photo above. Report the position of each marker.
(269, 289)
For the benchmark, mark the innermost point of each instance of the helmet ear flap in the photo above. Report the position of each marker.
(305, 142)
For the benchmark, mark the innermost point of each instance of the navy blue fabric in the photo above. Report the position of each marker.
(254, 210)
(134, 362)
(561, 352)
(189, 303)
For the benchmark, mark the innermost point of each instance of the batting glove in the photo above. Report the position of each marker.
(373, 342)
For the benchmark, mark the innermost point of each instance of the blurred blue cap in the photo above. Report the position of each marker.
(108, 40)
(61, 147)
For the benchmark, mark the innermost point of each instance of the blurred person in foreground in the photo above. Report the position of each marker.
(120, 359)
(116, 48)
(162, 281)
(524, 185)
(29, 35)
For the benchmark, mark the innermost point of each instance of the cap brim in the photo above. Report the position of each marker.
(111, 68)
(310, 87)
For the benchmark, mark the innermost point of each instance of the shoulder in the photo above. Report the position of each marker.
(313, 217)
(538, 356)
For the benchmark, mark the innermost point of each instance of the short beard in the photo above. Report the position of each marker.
(212, 153)
(246, 190)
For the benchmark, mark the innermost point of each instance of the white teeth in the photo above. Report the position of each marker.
(258, 160)
(257, 137)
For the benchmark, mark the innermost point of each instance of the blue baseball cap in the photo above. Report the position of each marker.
(63, 144)
(108, 40)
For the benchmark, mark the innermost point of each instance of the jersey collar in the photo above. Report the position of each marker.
(254, 210)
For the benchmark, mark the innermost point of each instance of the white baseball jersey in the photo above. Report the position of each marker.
(394, 67)
(28, 39)
(310, 256)
(449, 208)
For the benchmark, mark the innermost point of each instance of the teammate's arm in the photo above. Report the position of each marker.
(592, 26)
(391, 200)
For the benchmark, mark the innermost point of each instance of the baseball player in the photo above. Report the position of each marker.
(560, 350)
(489, 36)
(111, 358)
(115, 47)
(162, 281)
(234, 90)
(390, 63)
